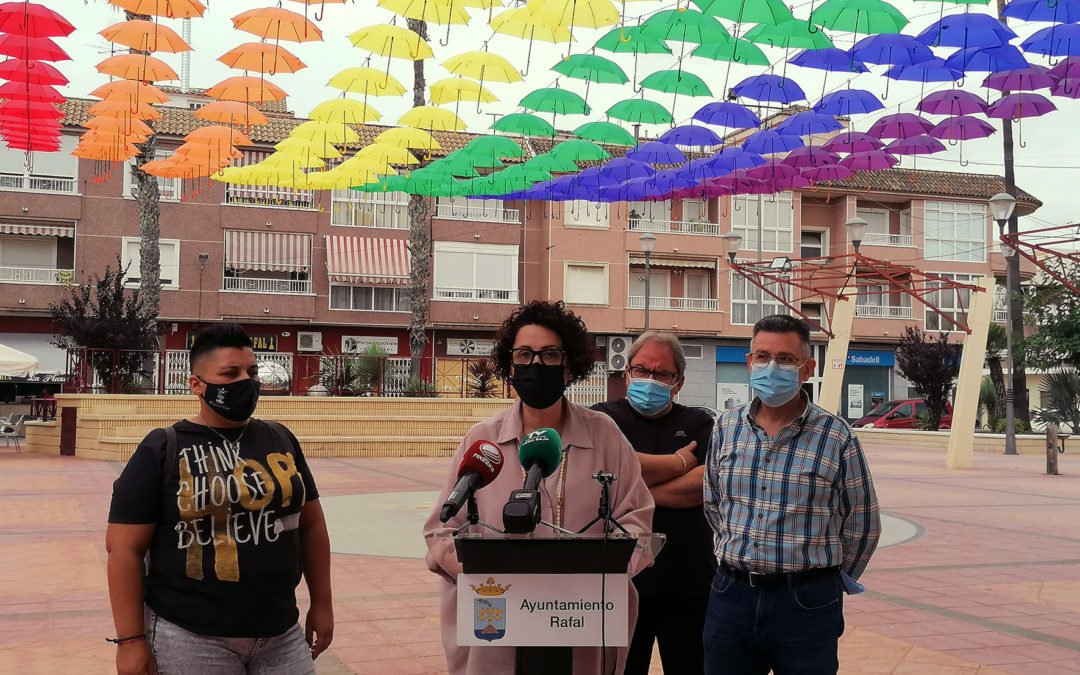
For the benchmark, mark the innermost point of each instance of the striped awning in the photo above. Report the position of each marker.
(43, 230)
(367, 260)
(267, 251)
(674, 262)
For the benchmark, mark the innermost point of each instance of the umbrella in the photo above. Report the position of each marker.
(952, 102)
(640, 111)
(851, 142)
(433, 118)
(246, 89)
(810, 156)
(274, 23)
(1059, 40)
(891, 49)
(768, 87)
(454, 89)
(987, 59)
(771, 142)
(232, 112)
(494, 146)
(826, 172)
(137, 67)
(343, 111)
(145, 36)
(1067, 88)
(579, 150)
(172, 9)
(966, 30)
(961, 128)
(21, 91)
(624, 168)
(921, 144)
(1031, 78)
(732, 51)
(367, 81)
(392, 42)
(523, 123)
(727, 114)
(868, 17)
(131, 89)
(730, 159)
(22, 47)
(631, 39)
(1017, 106)
(926, 71)
(808, 123)
(32, 20)
(262, 57)
(520, 22)
(900, 125)
(691, 135)
(869, 160)
(13, 361)
(583, 13)
(829, 59)
(552, 164)
(1055, 11)
(794, 33)
(685, 25)
(605, 132)
(848, 102)
(656, 153)
(482, 66)
(591, 68)
(111, 108)
(556, 101)
(1068, 67)
(676, 82)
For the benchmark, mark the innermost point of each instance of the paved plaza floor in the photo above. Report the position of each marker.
(980, 572)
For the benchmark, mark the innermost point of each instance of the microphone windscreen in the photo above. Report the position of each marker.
(483, 458)
(544, 447)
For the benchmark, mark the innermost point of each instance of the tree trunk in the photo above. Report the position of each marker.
(997, 376)
(419, 237)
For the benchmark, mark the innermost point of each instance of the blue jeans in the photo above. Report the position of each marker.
(180, 652)
(793, 631)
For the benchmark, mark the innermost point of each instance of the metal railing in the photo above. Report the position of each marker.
(483, 294)
(34, 275)
(1001, 316)
(388, 215)
(887, 239)
(256, 285)
(295, 202)
(675, 226)
(883, 312)
(23, 182)
(477, 213)
(661, 302)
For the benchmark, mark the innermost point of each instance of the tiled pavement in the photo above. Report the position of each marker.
(991, 584)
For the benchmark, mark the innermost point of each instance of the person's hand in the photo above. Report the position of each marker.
(134, 658)
(687, 454)
(319, 628)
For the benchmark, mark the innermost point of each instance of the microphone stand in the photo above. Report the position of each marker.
(604, 511)
(472, 517)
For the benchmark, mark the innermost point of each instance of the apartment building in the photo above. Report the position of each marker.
(324, 273)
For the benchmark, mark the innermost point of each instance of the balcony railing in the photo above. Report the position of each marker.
(883, 312)
(887, 239)
(477, 213)
(675, 226)
(478, 294)
(389, 215)
(299, 201)
(23, 182)
(34, 275)
(661, 302)
(1001, 316)
(256, 285)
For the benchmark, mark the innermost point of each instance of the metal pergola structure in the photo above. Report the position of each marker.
(1056, 244)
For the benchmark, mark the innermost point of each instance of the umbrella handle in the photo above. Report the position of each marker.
(447, 40)
(322, 10)
(1020, 134)
(809, 20)
(528, 59)
(962, 162)
(622, 35)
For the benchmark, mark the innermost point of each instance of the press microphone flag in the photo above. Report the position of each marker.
(481, 464)
(540, 454)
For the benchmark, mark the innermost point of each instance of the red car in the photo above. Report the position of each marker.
(900, 414)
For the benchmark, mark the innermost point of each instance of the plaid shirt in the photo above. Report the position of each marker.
(801, 500)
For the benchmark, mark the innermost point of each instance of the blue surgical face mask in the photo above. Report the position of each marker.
(647, 396)
(773, 385)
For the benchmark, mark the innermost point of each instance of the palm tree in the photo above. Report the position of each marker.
(419, 236)
(997, 342)
(1060, 399)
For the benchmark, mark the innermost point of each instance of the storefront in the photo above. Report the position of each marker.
(867, 380)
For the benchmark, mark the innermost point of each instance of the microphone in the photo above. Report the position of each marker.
(481, 464)
(540, 454)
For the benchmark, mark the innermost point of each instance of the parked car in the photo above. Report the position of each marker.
(900, 414)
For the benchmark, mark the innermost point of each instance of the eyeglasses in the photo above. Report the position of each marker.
(661, 376)
(783, 361)
(549, 356)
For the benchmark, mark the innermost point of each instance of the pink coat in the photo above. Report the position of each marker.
(591, 443)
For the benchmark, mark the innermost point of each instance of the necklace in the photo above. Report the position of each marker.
(560, 489)
(225, 438)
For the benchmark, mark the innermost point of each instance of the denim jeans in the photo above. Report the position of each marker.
(180, 652)
(793, 631)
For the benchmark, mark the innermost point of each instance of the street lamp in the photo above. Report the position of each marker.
(203, 258)
(648, 243)
(1001, 209)
(731, 245)
(855, 228)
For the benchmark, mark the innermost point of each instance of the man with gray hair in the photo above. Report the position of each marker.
(671, 441)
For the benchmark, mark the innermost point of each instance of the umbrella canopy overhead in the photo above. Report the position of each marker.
(14, 361)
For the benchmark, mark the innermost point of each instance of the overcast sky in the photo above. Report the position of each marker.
(1047, 167)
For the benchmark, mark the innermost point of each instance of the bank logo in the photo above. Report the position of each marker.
(489, 610)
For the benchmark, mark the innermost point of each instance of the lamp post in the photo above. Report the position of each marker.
(203, 257)
(1001, 208)
(648, 243)
(855, 228)
(731, 245)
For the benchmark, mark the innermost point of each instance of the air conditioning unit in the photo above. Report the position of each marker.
(618, 345)
(308, 341)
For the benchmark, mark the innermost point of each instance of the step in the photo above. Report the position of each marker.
(120, 449)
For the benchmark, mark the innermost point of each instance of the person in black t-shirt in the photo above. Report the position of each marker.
(671, 441)
(226, 510)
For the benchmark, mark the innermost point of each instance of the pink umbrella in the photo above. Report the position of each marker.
(1024, 79)
(900, 125)
(961, 128)
(952, 102)
(1068, 87)
(1069, 67)
(810, 156)
(852, 141)
(869, 160)
(1019, 106)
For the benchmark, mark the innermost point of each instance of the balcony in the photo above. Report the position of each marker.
(661, 302)
(883, 312)
(675, 227)
(477, 214)
(1001, 316)
(25, 183)
(294, 201)
(276, 286)
(386, 215)
(476, 294)
(35, 275)
(887, 239)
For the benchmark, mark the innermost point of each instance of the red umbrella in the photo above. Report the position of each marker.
(33, 71)
(33, 20)
(22, 47)
(33, 110)
(21, 91)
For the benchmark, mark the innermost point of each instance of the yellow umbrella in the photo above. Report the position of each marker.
(480, 4)
(344, 111)
(482, 66)
(325, 132)
(584, 13)
(301, 146)
(392, 41)
(432, 118)
(389, 154)
(522, 22)
(454, 89)
(408, 137)
(367, 81)
(336, 179)
(432, 11)
(369, 163)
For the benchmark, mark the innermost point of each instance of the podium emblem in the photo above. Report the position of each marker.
(489, 610)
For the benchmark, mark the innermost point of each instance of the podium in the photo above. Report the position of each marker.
(546, 595)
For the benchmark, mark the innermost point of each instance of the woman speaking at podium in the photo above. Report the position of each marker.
(541, 348)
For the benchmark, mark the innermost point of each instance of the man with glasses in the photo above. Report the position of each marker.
(670, 441)
(789, 496)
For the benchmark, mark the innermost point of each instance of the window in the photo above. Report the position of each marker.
(694, 210)
(170, 261)
(877, 219)
(952, 302)
(774, 219)
(351, 208)
(745, 297)
(487, 272)
(16, 251)
(693, 351)
(870, 296)
(582, 213)
(463, 208)
(955, 231)
(585, 284)
(813, 244)
(370, 298)
(904, 410)
(659, 285)
(265, 195)
(49, 172)
(696, 284)
(170, 188)
(647, 211)
(812, 310)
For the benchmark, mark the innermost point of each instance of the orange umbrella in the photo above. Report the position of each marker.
(117, 136)
(203, 150)
(246, 89)
(226, 135)
(170, 9)
(231, 112)
(109, 108)
(277, 24)
(111, 124)
(138, 91)
(145, 36)
(137, 67)
(105, 151)
(262, 57)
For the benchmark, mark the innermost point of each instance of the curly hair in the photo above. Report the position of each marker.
(579, 346)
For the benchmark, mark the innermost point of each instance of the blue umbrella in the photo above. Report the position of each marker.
(808, 123)
(592, 179)
(966, 31)
(771, 142)
(767, 87)
(689, 135)
(624, 169)
(670, 179)
(830, 59)
(697, 168)
(1055, 11)
(655, 152)
(1062, 40)
(987, 59)
(927, 71)
(727, 114)
(730, 159)
(848, 102)
(891, 49)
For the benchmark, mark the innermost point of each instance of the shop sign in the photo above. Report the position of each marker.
(467, 346)
(357, 344)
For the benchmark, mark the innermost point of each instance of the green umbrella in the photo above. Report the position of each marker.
(555, 100)
(460, 165)
(676, 82)
(591, 68)
(795, 33)
(434, 184)
(385, 184)
(640, 111)
(869, 17)
(623, 40)
(552, 164)
(747, 11)
(495, 146)
(605, 132)
(740, 51)
(579, 151)
(686, 25)
(523, 123)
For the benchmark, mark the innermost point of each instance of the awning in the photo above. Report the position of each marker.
(675, 262)
(43, 230)
(367, 260)
(267, 251)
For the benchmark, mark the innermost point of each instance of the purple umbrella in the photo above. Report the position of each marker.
(852, 141)
(952, 102)
(922, 144)
(656, 153)
(809, 157)
(738, 185)
(848, 102)
(826, 172)
(808, 123)
(771, 142)
(1023, 79)
(772, 169)
(767, 87)
(900, 125)
(1019, 106)
(961, 128)
(1068, 87)
(727, 114)
(1069, 67)
(689, 135)
(869, 160)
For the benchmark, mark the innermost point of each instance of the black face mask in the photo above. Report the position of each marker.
(539, 386)
(234, 401)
